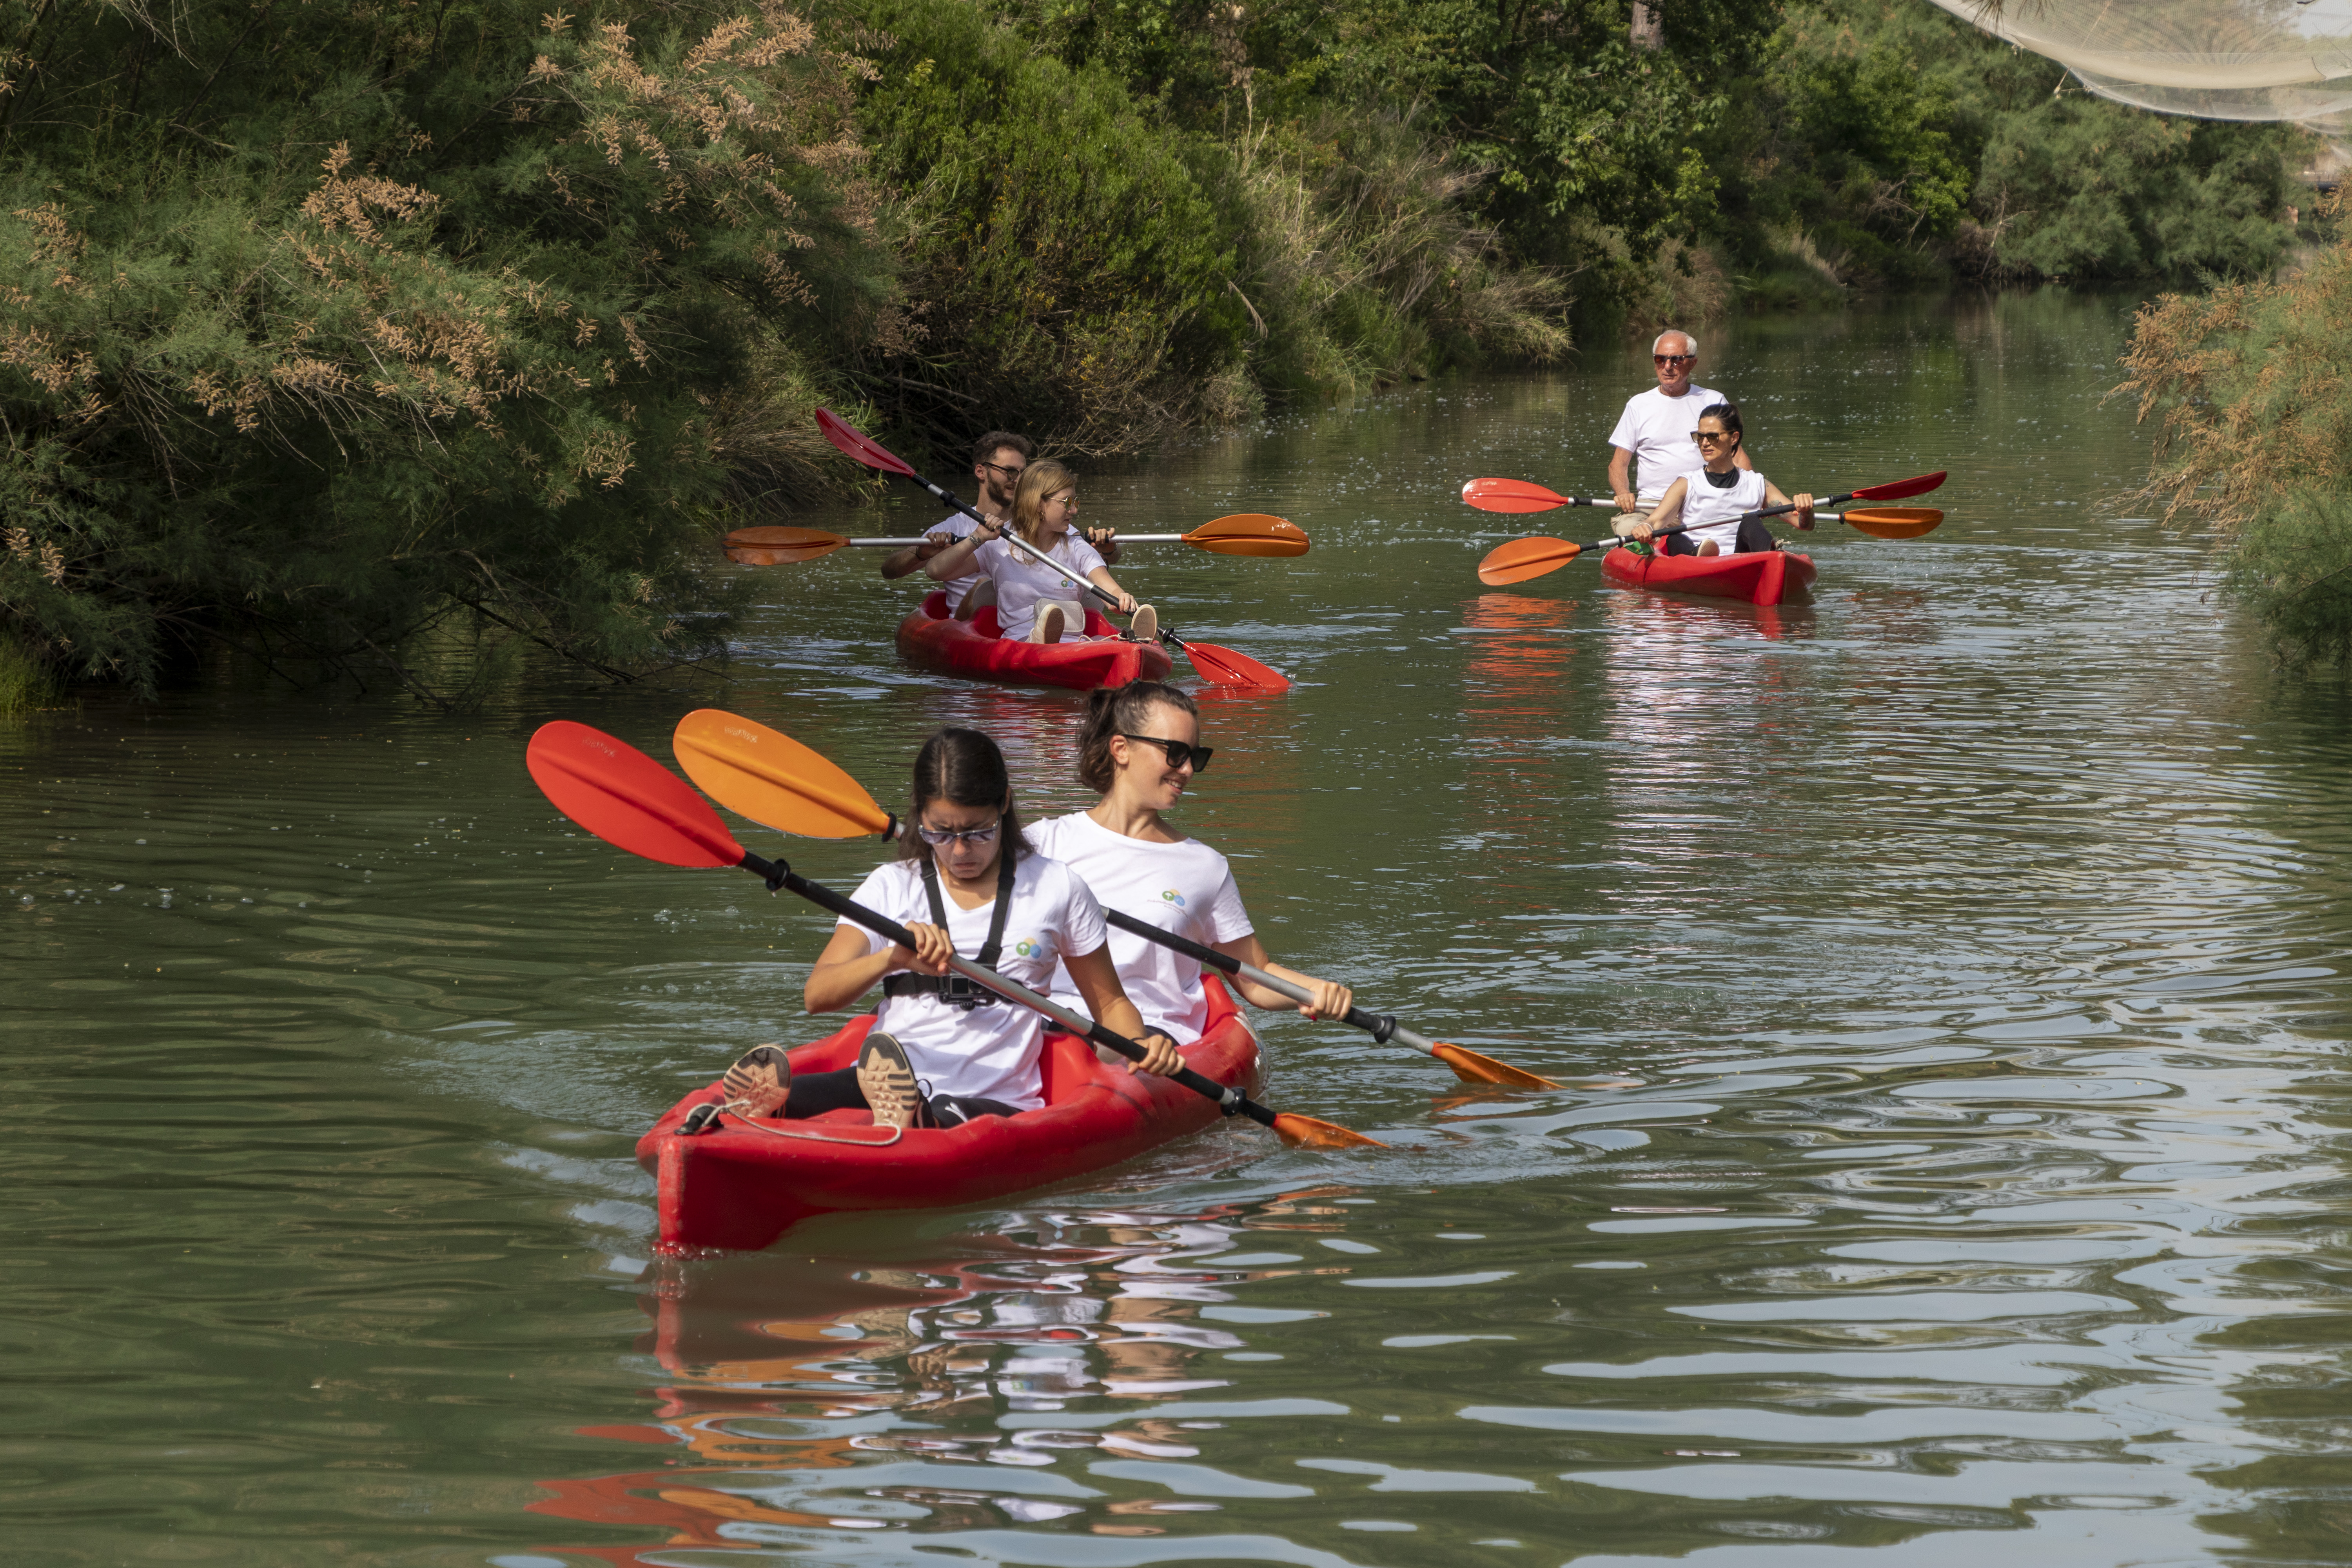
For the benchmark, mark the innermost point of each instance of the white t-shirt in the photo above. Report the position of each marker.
(1021, 582)
(1185, 888)
(1657, 430)
(991, 1051)
(1715, 514)
(972, 576)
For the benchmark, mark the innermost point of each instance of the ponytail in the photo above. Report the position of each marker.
(1117, 712)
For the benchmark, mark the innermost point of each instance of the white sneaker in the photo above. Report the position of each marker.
(1145, 627)
(1049, 625)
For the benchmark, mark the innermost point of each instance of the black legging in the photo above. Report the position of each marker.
(1753, 536)
(815, 1093)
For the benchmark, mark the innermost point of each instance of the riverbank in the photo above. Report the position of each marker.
(384, 355)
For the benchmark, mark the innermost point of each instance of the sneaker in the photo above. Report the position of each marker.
(1049, 623)
(1145, 627)
(886, 1079)
(758, 1082)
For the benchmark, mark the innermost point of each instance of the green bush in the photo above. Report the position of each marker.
(317, 331)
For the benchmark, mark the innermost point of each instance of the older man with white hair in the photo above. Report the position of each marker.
(1656, 428)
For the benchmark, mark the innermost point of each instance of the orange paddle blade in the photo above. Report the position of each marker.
(1305, 1132)
(1475, 1066)
(1511, 495)
(626, 798)
(780, 546)
(1893, 521)
(1250, 533)
(1227, 667)
(772, 779)
(1524, 558)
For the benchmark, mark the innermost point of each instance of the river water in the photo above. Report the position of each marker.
(1949, 977)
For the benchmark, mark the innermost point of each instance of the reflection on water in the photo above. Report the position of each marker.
(1946, 978)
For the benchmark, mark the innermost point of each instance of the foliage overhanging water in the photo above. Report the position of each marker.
(1971, 941)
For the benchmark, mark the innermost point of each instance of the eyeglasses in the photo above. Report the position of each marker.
(1013, 468)
(1179, 752)
(1708, 438)
(940, 838)
(1671, 359)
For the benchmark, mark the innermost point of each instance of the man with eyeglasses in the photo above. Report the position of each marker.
(997, 461)
(1656, 427)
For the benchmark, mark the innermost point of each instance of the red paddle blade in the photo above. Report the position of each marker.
(1250, 533)
(857, 445)
(780, 546)
(1524, 558)
(1917, 486)
(1510, 495)
(626, 798)
(1305, 1132)
(1227, 667)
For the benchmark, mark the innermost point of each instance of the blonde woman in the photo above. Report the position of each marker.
(1036, 602)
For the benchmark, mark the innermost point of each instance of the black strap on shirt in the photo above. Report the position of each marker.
(955, 990)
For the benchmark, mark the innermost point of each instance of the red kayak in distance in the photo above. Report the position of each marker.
(976, 648)
(742, 1186)
(1760, 577)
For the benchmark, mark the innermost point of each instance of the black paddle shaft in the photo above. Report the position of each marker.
(1379, 1025)
(778, 874)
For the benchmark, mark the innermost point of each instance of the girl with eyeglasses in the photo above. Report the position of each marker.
(1037, 602)
(1714, 500)
(943, 1048)
(1139, 746)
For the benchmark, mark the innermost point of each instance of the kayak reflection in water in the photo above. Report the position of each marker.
(1713, 502)
(1140, 747)
(943, 1048)
(1037, 602)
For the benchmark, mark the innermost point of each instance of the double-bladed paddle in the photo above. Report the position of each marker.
(1521, 559)
(775, 780)
(1221, 665)
(630, 801)
(1254, 533)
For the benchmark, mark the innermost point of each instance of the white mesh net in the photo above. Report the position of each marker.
(2222, 60)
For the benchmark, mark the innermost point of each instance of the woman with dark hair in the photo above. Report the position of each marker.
(1714, 502)
(943, 1048)
(1140, 748)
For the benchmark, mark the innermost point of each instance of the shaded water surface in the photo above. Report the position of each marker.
(1948, 976)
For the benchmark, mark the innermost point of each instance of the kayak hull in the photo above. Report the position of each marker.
(1759, 577)
(936, 640)
(742, 1186)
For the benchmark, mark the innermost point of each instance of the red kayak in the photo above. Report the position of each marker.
(977, 648)
(743, 1185)
(1760, 577)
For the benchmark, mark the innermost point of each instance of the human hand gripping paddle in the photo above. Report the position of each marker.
(1254, 533)
(631, 801)
(775, 780)
(1521, 559)
(1220, 665)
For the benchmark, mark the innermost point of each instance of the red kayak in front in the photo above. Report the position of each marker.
(1760, 577)
(937, 640)
(741, 1186)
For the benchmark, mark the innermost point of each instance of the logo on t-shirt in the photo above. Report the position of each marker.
(1171, 896)
(1027, 948)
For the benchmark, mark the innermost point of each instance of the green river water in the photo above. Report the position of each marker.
(1966, 947)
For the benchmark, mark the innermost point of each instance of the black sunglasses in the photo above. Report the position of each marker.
(1179, 752)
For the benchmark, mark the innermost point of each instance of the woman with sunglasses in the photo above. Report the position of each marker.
(1139, 746)
(943, 1048)
(1713, 502)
